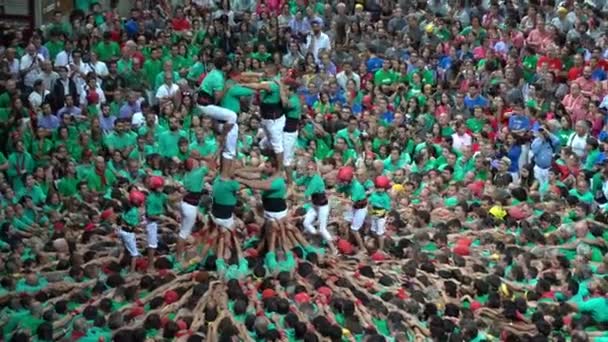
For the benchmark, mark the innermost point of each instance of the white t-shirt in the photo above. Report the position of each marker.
(460, 141)
(165, 91)
(578, 144)
(34, 73)
(318, 43)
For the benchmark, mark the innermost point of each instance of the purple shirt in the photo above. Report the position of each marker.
(127, 110)
(72, 111)
(107, 123)
(49, 122)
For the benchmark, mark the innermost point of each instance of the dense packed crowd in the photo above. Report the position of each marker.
(306, 170)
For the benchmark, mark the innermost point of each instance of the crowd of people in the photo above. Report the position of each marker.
(306, 170)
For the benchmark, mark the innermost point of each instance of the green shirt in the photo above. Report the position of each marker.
(54, 47)
(343, 133)
(213, 82)
(194, 180)
(380, 200)
(294, 107)
(314, 185)
(107, 51)
(382, 77)
(225, 191)
(168, 142)
(233, 271)
(132, 217)
(152, 67)
(155, 203)
(278, 189)
(232, 97)
(97, 184)
(597, 307)
(120, 141)
(273, 96)
(356, 190)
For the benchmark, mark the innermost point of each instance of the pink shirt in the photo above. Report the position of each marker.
(585, 84)
(572, 103)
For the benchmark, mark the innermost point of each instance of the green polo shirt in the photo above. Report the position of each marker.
(194, 180)
(225, 191)
(232, 97)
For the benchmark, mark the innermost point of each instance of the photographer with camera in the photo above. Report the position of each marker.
(544, 147)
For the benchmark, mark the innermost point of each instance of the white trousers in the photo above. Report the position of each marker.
(274, 134)
(189, 213)
(152, 234)
(289, 147)
(129, 241)
(541, 175)
(224, 115)
(378, 224)
(321, 214)
(356, 217)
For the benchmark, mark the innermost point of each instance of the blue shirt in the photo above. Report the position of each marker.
(388, 116)
(519, 122)
(598, 75)
(374, 64)
(513, 154)
(478, 101)
(49, 122)
(544, 149)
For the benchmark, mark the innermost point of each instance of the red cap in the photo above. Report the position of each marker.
(156, 182)
(345, 174)
(251, 252)
(378, 256)
(89, 227)
(345, 247)
(382, 182)
(182, 325)
(291, 82)
(136, 311)
(325, 291)
(141, 264)
(170, 297)
(190, 163)
(464, 241)
(106, 214)
(461, 250)
(475, 305)
(268, 293)
(476, 188)
(302, 297)
(137, 197)
(58, 226)
(401, 293)
(517, 213)
(252, 228)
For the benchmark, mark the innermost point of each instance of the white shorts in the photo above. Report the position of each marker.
(289, 147)
(378, 224)
(152, 234)
(356, 217)
(219, 113)
(189, 213)
(275, 215)
(274, 133)
(230, 144)
(129, 241)
(224, 223)
(224, 115)
(320, 214)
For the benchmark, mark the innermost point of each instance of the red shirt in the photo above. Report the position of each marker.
(180, 24)
(574, 73)
(555, 64)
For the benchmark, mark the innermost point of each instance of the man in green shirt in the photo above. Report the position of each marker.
(167, 140)
(153, 66)
(271, 110)
(211, 93)
(358, 197)
(224, 194)
(292, 108)
(155, 207)
(107, 49)
(319, 211)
